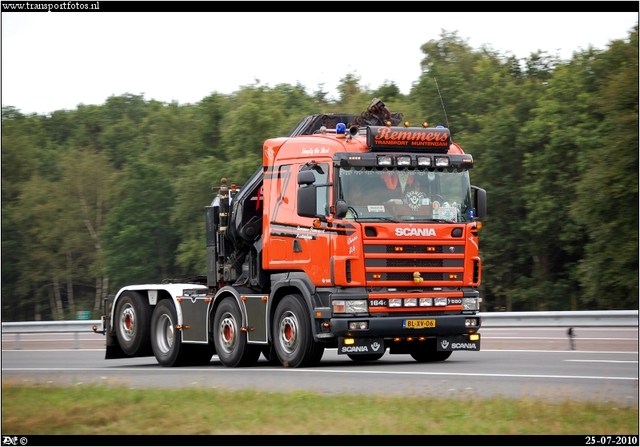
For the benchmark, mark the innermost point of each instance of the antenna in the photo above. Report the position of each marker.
(442, 102)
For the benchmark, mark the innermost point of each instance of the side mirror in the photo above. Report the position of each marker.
(307, 198)
(341, 209)
(306, 178)
(479, 202)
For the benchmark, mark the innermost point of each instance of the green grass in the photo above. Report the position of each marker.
(94, 410)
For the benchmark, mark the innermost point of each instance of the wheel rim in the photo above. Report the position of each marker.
(289, 332)
(165, 334)
(227, 332)
(127, 322)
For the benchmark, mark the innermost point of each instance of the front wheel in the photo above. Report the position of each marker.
(292, 337)
(229, 338)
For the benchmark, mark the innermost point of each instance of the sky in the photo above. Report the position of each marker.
(55, 61)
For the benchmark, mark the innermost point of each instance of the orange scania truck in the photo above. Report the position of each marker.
(358, 233)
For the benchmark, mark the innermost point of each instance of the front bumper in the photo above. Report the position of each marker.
(392, 326)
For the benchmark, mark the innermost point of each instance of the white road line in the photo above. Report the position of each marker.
(603, 361)
(337, 371)
(556, 338)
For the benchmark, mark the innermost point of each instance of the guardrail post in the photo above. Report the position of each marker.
(76, 344)
(17, 343)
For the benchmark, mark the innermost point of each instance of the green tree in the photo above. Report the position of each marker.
(607, 191)
(139, 240)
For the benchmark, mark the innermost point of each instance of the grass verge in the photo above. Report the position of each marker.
(96, 410)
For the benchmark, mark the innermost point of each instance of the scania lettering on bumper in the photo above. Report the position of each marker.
(457, 343)
(360, 346)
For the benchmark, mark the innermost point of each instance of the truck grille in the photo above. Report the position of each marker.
(395, 265)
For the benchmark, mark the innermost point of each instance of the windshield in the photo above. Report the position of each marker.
(406, 194)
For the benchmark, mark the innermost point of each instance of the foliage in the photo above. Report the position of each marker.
(105, 195)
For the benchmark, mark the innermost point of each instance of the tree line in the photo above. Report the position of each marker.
(107, 195)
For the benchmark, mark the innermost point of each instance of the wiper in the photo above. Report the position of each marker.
(384, 219)
(423, 219)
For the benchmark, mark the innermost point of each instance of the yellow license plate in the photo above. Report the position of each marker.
(419, 324)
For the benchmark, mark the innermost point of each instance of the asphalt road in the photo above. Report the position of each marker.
(519, 362)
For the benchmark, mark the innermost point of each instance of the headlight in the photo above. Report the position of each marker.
(426, 301)
(349, 306)
(403, 161)
(440, 301)
(395, 302)
(424, 161)
(410, 302)
(384, 160)
(442, 161)
(470, 304)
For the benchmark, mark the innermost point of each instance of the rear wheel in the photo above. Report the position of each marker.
(365, 357)
(292, 337)
(165, 339)
(230, 341)
(132, 321)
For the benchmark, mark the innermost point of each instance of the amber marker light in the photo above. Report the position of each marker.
(397, 249)
(474, 337)
(317, 223)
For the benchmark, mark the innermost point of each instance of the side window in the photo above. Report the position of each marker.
(323, 191)
(321, 174)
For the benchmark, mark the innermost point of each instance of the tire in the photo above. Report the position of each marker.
(429, 353)
(229, 339)
(165, 340)
(292, 336)
(365, 357)
(132, 321)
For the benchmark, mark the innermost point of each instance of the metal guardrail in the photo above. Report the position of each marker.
(34, 327)
(584, 318)
(588, 318)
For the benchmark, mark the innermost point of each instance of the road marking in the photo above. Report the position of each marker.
(603, 361)
(339, 371)
(556, 338)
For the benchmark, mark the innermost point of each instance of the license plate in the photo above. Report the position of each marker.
(418, 324)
